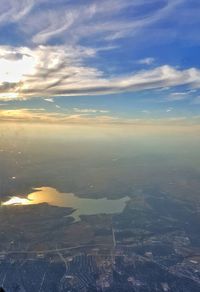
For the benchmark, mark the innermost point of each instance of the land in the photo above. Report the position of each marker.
(153, 245)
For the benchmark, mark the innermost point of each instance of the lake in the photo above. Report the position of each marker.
(82, 206)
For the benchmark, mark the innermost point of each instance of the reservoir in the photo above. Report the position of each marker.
(82, 206)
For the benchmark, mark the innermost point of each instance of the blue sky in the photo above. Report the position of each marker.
(107, 61)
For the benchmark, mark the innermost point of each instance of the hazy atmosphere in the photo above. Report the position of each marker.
(99, 146)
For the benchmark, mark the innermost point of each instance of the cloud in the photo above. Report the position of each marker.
(146, 61)
(40, 116)
(68, 75)
(65, 70)
(90, 111)
(146, 111)
(71, 21)
(177, 96)
(163, 89)
(21, 115)
(169, 110)
(192, 91)
(26, 115)
(99, 20)
(13, 11)
(49, 99)
(179, 93)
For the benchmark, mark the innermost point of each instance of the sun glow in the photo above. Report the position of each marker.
(12, 71)
(17, 201)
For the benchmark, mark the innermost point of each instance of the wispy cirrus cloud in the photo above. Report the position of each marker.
(98, 19)
(13, 11)
(177, 96)
(73, 20)
(90, 111)
(55, 60)
(146, 61)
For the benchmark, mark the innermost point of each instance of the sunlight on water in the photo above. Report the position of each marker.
(82, 206)
(16, 201)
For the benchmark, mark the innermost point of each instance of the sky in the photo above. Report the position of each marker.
(100, 61)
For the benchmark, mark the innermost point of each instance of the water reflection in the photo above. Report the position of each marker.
(83, 206)
(17, 201)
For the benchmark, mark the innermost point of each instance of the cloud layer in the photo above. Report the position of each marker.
(47, 72)
(68, 48)
(76, 20)
(26, 115)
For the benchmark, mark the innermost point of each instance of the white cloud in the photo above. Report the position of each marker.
(146, 61)
(49, 99)
(177, 96)
(192, 91)
(92, 19)
(68, 75)
(163, 89)
(90, 111)
(169, 110)
(40, 21)
(179, 93)
(11, 10)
